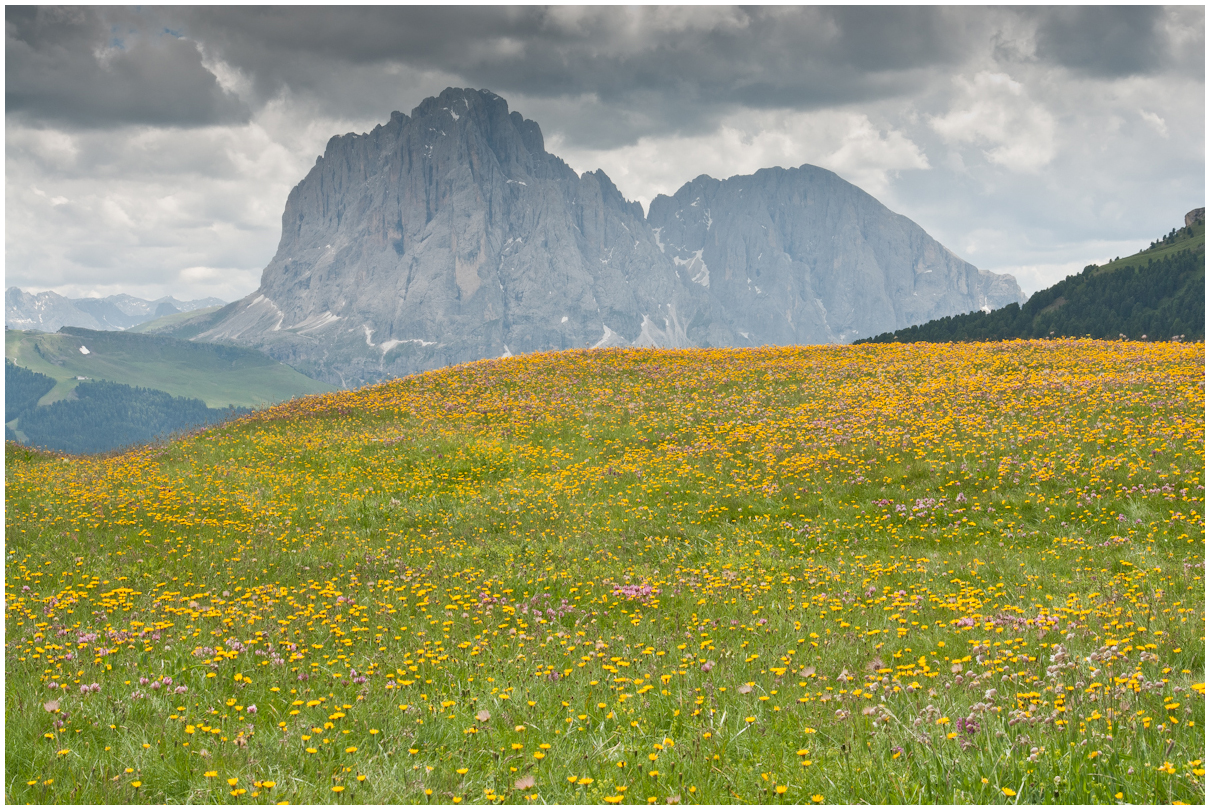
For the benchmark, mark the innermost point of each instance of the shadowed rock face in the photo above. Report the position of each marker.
(452, 235)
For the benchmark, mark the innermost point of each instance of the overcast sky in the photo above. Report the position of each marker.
(151, 150)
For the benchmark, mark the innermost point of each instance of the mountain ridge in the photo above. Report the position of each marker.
(48, 311)
(452, 235)
(1158, 294)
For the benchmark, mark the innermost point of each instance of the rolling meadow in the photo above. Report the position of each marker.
(964, 573)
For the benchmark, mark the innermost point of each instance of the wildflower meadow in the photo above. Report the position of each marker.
(811, 575)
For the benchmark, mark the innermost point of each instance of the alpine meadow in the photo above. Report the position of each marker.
(571, 405)
(964, 573)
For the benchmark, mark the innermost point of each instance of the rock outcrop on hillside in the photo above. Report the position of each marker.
(452, 235)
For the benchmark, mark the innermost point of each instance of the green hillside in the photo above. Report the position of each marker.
(913, 575)
(218, 375)
(170, 322)
(187, 328)
(96, 416)
(1156, 294)
(22, 389)
(103, 416)
(1188, 238)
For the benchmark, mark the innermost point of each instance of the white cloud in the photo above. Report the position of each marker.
(154, 211)
(55, 150)
(1016, 164)
(1034, 277)
(848, 143)
(228, 283)
(1157, 123)
(1050, 267)
(230, 78)
(994, 111)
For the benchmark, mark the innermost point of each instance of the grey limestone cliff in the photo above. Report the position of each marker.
(451, 235)
(801, 256)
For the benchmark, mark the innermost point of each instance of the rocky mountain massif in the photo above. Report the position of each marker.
(48, 311)
(452, 234)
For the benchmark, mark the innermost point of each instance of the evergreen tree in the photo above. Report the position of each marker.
(105, 416)
(1161, 298)
(22, 389)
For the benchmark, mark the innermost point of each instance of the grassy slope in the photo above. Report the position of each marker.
(1195, 242)
(217, 377)
(958, 574)
(170, 322)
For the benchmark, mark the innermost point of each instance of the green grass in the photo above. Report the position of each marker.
(217, 375)
(634, 576)
(173, 321)
(1196, 242)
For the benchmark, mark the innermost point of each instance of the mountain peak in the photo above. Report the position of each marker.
(451, 235)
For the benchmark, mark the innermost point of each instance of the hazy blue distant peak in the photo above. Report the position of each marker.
(48, 311)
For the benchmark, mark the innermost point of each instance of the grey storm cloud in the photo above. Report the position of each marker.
(150, 149)
(1105, 41)
(673, 69)
(72, 65)
(614, 52)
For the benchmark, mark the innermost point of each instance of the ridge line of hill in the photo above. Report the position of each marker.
(1156, 294)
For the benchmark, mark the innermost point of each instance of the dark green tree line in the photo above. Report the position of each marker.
(1156, 299)
(105, 416)
(22, 389)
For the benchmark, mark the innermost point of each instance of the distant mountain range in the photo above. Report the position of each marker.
(48, 311)
(1157, 294)
(452, 234)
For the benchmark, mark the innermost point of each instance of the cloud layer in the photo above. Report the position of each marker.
(150, 151)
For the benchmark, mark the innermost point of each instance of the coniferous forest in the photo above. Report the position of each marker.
(100, 415)
(1148, 299)
(22, 389)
